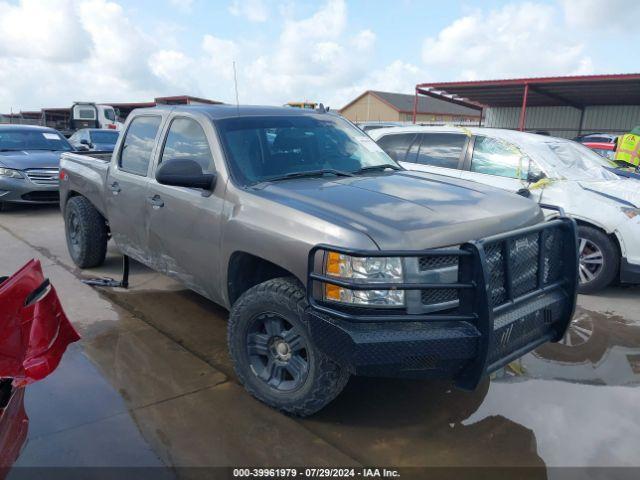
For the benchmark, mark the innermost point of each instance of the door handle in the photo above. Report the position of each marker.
(156, 202)
(115, 188)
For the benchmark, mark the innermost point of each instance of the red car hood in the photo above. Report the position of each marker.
(34, 331)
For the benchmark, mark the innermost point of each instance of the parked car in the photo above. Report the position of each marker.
(90, 139)
(93, 115)
(29, 163)
(332, 259)
(604, 149)
(604, 204)
(368, 126)
(597, 138)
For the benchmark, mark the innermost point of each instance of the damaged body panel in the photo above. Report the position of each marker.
(34, 330)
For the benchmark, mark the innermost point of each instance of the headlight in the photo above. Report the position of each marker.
(630, 212)
(364, 270)
(8, 172)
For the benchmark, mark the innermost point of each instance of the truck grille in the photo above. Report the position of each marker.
(519, 273)
(43, 176)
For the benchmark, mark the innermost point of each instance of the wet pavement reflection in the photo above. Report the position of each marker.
(151, 384)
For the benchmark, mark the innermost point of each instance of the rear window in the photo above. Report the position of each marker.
(441, 149)
(396, 145)
(104, 136)
(138, 144)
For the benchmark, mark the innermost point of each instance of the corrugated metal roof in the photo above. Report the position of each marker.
(576, 91)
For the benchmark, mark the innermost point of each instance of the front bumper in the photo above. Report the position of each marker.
(25, 190)
(515, 292)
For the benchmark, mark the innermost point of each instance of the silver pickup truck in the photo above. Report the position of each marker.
(332, 259)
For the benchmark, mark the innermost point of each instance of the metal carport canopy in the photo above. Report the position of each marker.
(575, 91)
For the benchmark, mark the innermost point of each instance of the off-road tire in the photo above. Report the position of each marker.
(285, 297)
(91, 247)
(610, 255)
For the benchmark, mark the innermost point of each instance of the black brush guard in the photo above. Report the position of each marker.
(516, 291)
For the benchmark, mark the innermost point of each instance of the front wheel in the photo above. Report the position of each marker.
(598, 260)
(273, 354)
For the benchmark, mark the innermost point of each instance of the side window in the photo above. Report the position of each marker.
(186, 139)
(138, 145)
(396, 145)
(441, 149)
(493, 156)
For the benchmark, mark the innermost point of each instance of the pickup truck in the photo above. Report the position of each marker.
(332, 259)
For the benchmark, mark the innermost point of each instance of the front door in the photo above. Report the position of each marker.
(127, 184)
(500, 164)
(184, 223)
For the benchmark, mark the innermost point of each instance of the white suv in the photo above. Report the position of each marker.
(553, 171)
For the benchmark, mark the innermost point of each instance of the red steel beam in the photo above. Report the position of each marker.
(415, 105)
(523, 110)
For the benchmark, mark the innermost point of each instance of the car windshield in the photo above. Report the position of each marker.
(104, 136)
(33, 140)
(264, 148)
(573, 161)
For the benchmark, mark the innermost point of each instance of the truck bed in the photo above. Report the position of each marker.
(85, 174)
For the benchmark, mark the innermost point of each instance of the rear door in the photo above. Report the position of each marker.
(396, 145)
(127, 184)
(184, 223)
(438, 152)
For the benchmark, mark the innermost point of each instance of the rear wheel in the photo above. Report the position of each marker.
(599, 260)
(273, 354)
(86, 233)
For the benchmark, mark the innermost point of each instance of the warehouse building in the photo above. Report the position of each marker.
(375, 106)
(561, 106)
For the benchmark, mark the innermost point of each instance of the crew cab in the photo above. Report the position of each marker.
(604, 200)
(332, 259)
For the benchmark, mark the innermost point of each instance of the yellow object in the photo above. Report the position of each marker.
(543, 182)
(334, 261)
(628, 149)
(332, 292)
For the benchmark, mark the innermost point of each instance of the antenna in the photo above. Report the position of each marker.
(235, 81)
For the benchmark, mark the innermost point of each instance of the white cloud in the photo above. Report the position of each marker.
(517, 40)
(602, 14)
(252, 10)
(42, 30)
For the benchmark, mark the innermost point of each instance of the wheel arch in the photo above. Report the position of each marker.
(246, 270)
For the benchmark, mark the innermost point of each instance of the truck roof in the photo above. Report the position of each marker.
(218, 112)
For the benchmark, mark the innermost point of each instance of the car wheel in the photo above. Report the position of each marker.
(273, 354)
(86, 233)
(598, 260)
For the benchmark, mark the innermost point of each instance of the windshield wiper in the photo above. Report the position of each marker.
(373, 168)
(310, 173)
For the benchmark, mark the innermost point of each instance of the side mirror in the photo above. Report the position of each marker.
(184, 172)
(82, 148)
(84, 141)
(535, 176)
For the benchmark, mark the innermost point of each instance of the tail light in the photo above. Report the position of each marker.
(112, 126)
(62, 175)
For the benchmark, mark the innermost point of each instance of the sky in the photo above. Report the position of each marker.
(55, 52)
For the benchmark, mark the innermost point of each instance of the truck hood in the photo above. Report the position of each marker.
(407, 210)
(625, 191)
(24, 159)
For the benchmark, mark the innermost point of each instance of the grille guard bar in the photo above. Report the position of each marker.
(475, 305)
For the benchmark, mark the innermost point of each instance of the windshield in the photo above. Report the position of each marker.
(264, 148)
(574, 161)
(33, 140)
(104, 136)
